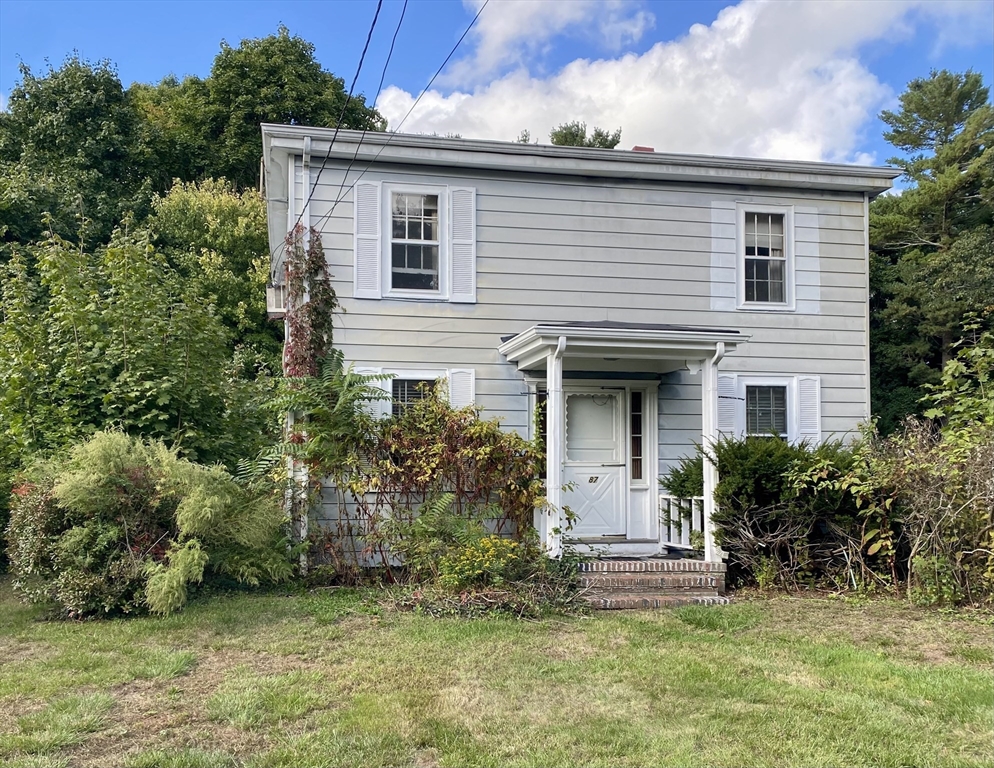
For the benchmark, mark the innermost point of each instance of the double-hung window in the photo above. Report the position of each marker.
(404, 392)
(765, 257)
(766, 410)
(415, 239)
(403, 386)
(765, 405)
(414, 242)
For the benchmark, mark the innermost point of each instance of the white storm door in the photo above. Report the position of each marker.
(594, 463)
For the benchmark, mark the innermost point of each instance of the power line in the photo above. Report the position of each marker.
(397, 129)
(379, 88)
(338, 123)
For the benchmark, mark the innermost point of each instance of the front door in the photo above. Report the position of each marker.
(594, 465)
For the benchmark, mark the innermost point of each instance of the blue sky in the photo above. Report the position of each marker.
(777, 79)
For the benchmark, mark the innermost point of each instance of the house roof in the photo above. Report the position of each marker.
(410, 149)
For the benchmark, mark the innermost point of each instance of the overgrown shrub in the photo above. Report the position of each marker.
(775, 534)
(913, 511)
(490, 561)
(411, 486)
(119, 526)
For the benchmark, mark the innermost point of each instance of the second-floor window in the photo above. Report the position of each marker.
(414, 242)
(765, 257)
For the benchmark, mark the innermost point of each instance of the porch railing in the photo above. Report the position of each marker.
(681, 521)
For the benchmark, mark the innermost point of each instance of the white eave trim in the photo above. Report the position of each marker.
(398, 148)
(534, 344)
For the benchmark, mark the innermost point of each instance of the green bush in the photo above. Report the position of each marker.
(118, 525)
(776, 533)
(490, 561)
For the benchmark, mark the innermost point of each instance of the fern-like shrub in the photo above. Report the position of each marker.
(120, 526)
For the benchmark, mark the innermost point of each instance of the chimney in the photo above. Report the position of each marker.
(638, 148)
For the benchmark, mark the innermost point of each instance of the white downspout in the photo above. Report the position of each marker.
(709, 414)
(301, 474)
(550, 520)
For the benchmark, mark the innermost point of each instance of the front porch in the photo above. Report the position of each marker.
(600, 384)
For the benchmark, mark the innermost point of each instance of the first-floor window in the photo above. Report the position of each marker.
(766, 410)
(407, 391)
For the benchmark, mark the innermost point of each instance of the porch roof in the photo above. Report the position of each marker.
(612, 341)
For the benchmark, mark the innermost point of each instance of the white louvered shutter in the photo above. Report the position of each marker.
(728, 405)
(367, 240)
(462, 244)
(462, 387)
(378, 408)
(809, 409)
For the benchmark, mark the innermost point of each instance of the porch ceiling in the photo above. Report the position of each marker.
(607, 341)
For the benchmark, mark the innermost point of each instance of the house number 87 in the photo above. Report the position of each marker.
(593, 479)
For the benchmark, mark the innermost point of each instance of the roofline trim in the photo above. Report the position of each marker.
(539, 158)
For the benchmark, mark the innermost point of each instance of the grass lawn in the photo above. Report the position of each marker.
(328, 679)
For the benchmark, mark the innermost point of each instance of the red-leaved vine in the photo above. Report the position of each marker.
(311, 303)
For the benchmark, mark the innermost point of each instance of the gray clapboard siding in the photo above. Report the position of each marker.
(636, 194)
(559, 249)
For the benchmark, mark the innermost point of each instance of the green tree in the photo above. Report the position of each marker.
(574, 134)
(69, 145)
(174, 138)
(118, 338)
(273, 79)
(933, 261)
(217, 238)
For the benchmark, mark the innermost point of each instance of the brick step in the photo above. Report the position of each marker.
(660, 581)
(650, 565)
(628, 601)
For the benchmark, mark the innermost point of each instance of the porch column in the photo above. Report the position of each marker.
(709, 435)
(549, 521)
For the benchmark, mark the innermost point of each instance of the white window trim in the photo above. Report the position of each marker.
(792, 383)
(383, 408)
(386, 232)
(793, 410)
(789, 282)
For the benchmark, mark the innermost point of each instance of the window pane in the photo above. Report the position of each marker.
(397, 257)
(636, 429)
(777, 281)
(414, 267)
(407, 391)
(766, 410)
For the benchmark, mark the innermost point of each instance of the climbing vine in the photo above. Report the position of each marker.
(311, 304)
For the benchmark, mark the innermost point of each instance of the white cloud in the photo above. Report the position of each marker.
(3, 101)
(766, 79)
(510, 32)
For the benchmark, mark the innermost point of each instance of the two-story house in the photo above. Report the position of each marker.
(653, 300)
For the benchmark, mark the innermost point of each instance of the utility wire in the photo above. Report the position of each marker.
(338, 124)
(379, 88)
(394, 133)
